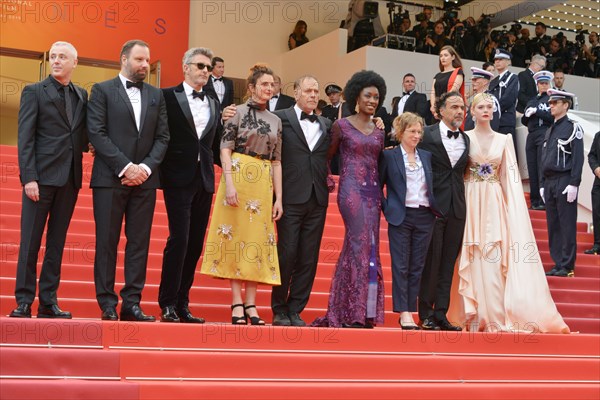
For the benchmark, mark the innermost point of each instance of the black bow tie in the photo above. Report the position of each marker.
(275, 96)
(197, 95)
(453, 134)
(129, 84)
(218, 79)
(405, 94)
(311, 117)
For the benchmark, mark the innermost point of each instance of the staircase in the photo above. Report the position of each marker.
(93, 359)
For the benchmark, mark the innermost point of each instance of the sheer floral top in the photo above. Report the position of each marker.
(253, 131)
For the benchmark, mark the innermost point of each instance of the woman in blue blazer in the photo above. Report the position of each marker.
(410, 210)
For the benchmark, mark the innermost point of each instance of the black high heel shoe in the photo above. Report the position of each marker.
(238, 320)
(253, 320)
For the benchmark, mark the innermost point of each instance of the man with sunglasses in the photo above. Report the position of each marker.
(188, 181)
(217, 86)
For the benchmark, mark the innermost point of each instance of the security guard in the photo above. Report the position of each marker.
(538, 119)
(480, 79)
(505, 87)
(562, 165)
(331, 111)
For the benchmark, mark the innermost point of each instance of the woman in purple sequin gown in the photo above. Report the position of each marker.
(356, 296)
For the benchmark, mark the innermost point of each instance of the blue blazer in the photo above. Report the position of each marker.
(393, 174)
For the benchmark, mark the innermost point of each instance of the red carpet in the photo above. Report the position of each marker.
(88, 358)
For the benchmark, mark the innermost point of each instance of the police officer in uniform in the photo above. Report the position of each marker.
(538, 119)
(331, 111)
(480, 80)
(562, 165)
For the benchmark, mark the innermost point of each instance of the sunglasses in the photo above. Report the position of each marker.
(201, 66)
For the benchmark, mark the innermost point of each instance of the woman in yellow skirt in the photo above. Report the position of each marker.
(241, 243)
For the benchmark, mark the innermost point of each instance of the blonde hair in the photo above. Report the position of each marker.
(482, 97)
(405, 120)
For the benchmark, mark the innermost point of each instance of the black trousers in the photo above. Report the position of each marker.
(434, 295)
(136, 205)
(188, 210)
(562, 222)
(512, 130)
(408, 246)
(55, 206)
(299, 233)
(596, 213)
(533, 150)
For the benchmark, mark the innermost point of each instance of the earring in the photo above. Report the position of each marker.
(473, 118)
(356, 109)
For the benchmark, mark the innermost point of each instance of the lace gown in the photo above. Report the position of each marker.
(356, 294)
(502, 285)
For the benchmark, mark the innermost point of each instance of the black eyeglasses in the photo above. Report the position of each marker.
(201, 66)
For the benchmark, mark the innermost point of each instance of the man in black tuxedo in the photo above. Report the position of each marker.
(279, 101)
(527, 86)
(51, 138)
(219, 87)
(449, 147)
(305, 199)
(188, 181)
(594, 162)
(410, 101)
(127, 124)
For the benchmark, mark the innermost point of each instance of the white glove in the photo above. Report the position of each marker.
(530, 111)
(542, 194)
(571, 192)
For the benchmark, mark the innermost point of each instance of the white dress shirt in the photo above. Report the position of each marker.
(135, 98)
(403, 101)
(200, 110)
(416, 186)
(273, 101)
(219, 87)
(454, 147)
(312, 130)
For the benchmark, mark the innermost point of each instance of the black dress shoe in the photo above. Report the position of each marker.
(281, 319)
(594, 250)
(168, 314)
(553, 271)
(429, 324)
(539, 207)
(135, 313)
(563, 272)
(296, 320)
(358, 325)
(52, 311)
(187, 317)
(110, 314)
(23, 310)
(447, 326)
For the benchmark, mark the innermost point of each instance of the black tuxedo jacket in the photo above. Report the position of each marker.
(392, 175)
(302, 168)
(507, 93)
(448, 181)
(179, 166)
(227, 97)
(47, 144)
(594, 157)
(527, 89)
(114, 134)
(417, 103)
(284, 101)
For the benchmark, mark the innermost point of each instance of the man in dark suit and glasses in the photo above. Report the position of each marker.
(449, 147)
(410, 101)
(127, 124)
(305, 200)
(51, 138)
(187, 178)
(219, 87)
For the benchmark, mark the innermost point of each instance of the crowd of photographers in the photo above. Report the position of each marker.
(475, 40)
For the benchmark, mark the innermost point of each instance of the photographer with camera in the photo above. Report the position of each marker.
(541, 40)
(434, 42)
(423, 29)
(556, 56)
(592, 54)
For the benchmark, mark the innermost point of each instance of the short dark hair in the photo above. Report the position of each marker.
(559, 70)
(486, 65)
(409, 74)
(358, 82)
(543, 25)
(441, 101)
(130, 44)
(215, 60)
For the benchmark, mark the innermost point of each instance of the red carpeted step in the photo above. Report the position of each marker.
(78, 363)
(70, 389)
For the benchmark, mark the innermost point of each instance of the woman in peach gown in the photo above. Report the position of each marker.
(502, 285)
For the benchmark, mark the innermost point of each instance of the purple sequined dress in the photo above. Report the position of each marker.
(356, 294)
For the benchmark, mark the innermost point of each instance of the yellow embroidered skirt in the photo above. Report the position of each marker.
(241, 240)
